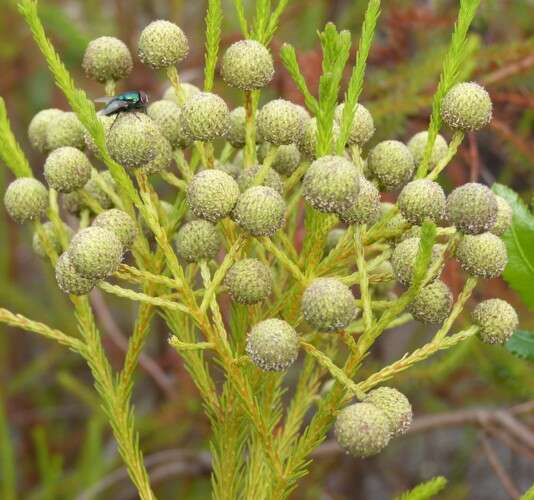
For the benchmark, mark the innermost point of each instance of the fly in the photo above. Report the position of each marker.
(133, 100)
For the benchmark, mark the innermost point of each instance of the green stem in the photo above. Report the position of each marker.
(250, 131)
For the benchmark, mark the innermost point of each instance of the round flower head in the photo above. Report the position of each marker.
(65, 130)
(132, 140)
(26, 199)
(249, 281)
(286, 159)
(163, 157)
(421, 199)
(404, 257)
(280, 122)
(206, 117)
(67, 169)
(38, 128)
(467, 106)
(331, 184)
(417, 145)
(497, 321)
(362, 430)
(51, 235)
(95, 252)
(392, 164)
(366, 210)
(273, 345)
(188, 90)
(395, 406)
(482, 255)
(212, 194)
(107, 58)
(198, 240)
(120, 224)
(247, 65)
(333, 238)
(362, 127)
(69, 280)
(167, 115)
(94, 188)
(272, 179)
(162, 44)
(236, 130)
(107, 123)
(308, 139)
(504, 216)
(328, 305)
(472, 208)
(432, 304)
(260, 211)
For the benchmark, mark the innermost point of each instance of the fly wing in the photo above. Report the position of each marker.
(114, 107)
(104, 99)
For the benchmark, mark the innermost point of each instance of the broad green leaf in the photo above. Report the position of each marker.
(519, 240)
(521, 344)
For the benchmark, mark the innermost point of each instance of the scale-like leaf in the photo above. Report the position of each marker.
(521, 344)
(519, 239)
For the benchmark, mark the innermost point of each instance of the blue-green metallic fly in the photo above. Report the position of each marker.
(133, 100)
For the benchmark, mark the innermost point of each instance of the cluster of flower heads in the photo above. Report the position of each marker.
(253, 197)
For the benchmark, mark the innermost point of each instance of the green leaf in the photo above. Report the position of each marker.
(529, 494)
(424, 491)
(519, 240)
(521, 344)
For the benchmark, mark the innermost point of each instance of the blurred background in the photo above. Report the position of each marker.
(60, 446)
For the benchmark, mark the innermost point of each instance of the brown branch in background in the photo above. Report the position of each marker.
(509, 70)
(506, 133)
(515, 98)
(499, 470)
(112, 330)
(474, 163)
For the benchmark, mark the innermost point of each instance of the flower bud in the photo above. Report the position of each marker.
(420, 200)
(432, 304)
(206, 117)
(286, 159)
(260, 210)
(482, 255)
(404, 257)
(167, 115)
(272, 179)
(331, 184)
(212, 194)
(132, 139)
(273, 345)
(163, 158)
(308, 138)
(497, 321)
(67, 169)
(249, 281)
(107, 58)
(366, 210)
(280, 122)
(38, 128)
(120, 224)
(65, 130)
(362, 430)
(247, 65)
(328, 305)
(362, 127)
(392, 164)
(467, 106)
(504, 216)
(395, 406)
(52, 237)
(188, 91)
(417, 145)
(472, 208)
(237, 127)
(162, 44)
(69, 280)
(95, 252)
(198, 240)
(26, 199)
